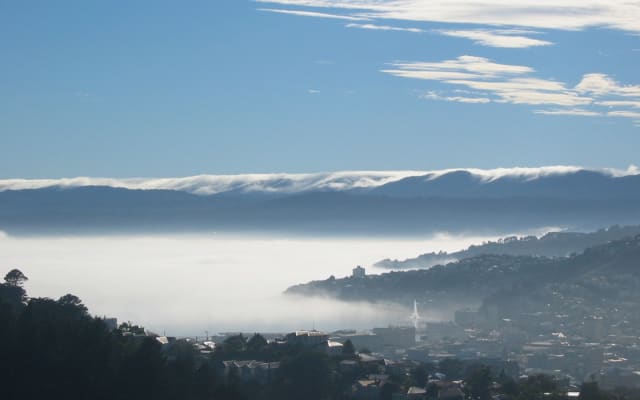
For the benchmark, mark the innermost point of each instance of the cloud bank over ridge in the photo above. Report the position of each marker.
(283, 183)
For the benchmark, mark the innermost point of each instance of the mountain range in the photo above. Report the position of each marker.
(367, 203)
(602, 272)
(552, 244)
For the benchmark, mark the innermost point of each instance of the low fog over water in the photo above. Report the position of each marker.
(185, 284)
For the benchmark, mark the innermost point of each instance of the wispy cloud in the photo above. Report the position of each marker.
(516, 84)
(570, 111)
(541, 14)
(431, 95)
(462, 67)
(507, 83)
(383, 28)
(602, 84)
(313, 91)
(496, 38)
(625, 114)
(620, 103)
(303, 13)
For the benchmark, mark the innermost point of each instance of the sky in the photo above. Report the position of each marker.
(168, 88)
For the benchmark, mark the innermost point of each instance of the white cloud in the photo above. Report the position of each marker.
(288, 183)
(315, 14)
(459, 99)
(601, 84)
(542, 14)
(461, 68)
(571, 111)
(620, 103)
(496, 38)
(383, 28)
(624, 114)
(313, 91)
(502, 83)
(212, 184)
(516, 84)
(508, 83)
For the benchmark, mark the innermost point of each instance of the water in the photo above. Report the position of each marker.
(186, 284)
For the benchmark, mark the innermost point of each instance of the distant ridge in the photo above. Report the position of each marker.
(552, 244)
(461, 181)
(363, 203)
(611, 266)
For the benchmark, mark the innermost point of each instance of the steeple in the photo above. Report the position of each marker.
(415, 317)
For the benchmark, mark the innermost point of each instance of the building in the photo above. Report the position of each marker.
(111, 323)
(308, 338)
(367, 389)
(358, 272)
(334, 348)
(396, 336)
(416, 393)
(250, 370)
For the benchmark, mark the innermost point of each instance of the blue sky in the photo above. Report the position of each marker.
(232, 86)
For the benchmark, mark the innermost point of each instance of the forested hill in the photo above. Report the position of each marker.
(553, 244)
(476, 278)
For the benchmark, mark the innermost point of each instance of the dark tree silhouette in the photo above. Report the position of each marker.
(72, 302)
(15, 277)
(590, 391)
(256, 344)
(305, 376)
(348, 349)
(478, 383)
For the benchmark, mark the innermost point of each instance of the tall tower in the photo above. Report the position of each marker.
(415, 317)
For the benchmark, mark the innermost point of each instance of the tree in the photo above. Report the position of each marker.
(387, 390)
(234, 344)
(452, 368)
(538, 387)
(590, 391)
(478, 383)
(126, 328)
(72, 302)
(15, 277)
(419, 376)
(348, 349)
(305, 376)
(256, 343)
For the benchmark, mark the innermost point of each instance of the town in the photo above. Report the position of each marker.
(548, 343)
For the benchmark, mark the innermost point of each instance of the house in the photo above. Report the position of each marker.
(308, 339)
(367, 389)
(250, 370)
(451, 393)
(334, 348)
(416, 393)
(348, 365)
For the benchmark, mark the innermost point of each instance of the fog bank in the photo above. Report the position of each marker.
(186, 284)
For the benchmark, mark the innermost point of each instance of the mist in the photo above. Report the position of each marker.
(188, 284)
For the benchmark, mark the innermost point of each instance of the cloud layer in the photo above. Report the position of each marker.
(496, 38)
(290, 183)
(540, 14)
(595, 95)
(501, 24)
